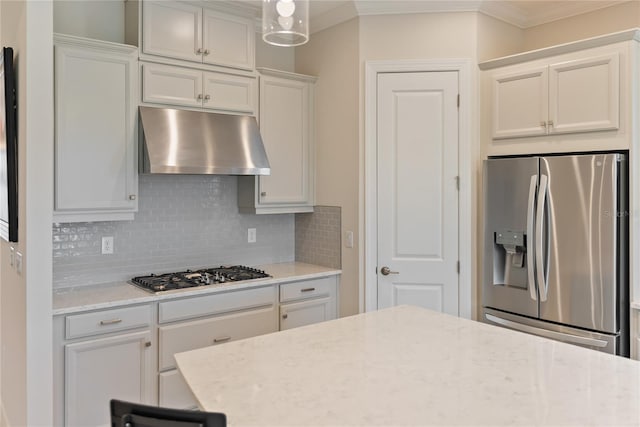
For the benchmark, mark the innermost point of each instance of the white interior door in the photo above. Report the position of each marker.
(417, 142)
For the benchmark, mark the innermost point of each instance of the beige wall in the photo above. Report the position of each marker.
(496, 38)
(332, 56)
(418, 36)
(25, 311)
(13, 322)
(599, 22)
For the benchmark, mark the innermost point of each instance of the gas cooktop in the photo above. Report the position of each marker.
(203, 277)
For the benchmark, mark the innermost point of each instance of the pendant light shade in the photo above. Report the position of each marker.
(285, 22)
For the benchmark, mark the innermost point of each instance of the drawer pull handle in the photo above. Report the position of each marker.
(307, 290)
(222, 339)
(284, 316)
(110, 322)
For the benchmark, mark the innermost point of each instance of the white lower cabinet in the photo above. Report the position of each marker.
(177, 337)
(307, 302)
(103, 369)
(103, 365)
(128, 352)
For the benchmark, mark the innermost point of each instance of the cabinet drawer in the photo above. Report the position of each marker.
(173, 391)
(190, 308)
(218, 330)
(307, 289)
(103, 322)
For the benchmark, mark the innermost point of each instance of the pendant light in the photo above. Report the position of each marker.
(285, 22)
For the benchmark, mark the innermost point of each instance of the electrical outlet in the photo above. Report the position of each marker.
(107, 245)
(19, 262)
(251, 235)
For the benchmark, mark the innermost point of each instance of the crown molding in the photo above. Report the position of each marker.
(507, 11)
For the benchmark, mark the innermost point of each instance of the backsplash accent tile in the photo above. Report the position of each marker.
(318, 236)
(184, 221)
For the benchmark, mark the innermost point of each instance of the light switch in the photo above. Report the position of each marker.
(251, 235)
(348, 239)
(19, 262)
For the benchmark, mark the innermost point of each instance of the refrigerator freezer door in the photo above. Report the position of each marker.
(510, 187)
(593, 340)
(580, 253)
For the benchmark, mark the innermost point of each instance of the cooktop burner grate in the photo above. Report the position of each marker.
(202, 277)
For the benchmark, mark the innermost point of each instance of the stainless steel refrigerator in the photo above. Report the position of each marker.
(556, 248)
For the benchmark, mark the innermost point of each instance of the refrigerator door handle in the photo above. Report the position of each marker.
(559, 336)
(530, 239)
(539, 226)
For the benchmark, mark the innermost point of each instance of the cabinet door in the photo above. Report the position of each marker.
(95, 153)
(172, 29)
(306, 313)
(99, 370)
(228, 40)
(229, 92)
(164, 84)
(520, 104)
(584, 95)
(284, 125)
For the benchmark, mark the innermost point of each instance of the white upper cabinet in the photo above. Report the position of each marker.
(228, 40)
(182, 31)
(584, 95)
(286, 126)
(180, 86)
(511, 116)
(172, 29)
(564, 97)
(95, 138)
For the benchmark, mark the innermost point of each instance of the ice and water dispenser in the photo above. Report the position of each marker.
(509, 258)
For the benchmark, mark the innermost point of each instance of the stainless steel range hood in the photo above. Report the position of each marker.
(195, 142)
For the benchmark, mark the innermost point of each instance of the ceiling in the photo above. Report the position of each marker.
(521, 13)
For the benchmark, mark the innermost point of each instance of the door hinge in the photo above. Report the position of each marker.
(458, 267)
(458, 100)
(457, 182)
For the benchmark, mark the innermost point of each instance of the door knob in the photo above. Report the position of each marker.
(386, 271)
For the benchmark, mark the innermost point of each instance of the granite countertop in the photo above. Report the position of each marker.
(83, 298)
(410, 366)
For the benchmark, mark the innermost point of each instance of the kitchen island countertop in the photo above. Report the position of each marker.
(93, 297)
(410, 366)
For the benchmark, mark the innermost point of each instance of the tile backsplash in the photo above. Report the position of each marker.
(318, 237)
(184, 221)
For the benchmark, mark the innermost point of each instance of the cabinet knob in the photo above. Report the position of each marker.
(543, 124)
(207, 97)
(284, 316)
(550, 123)
(199, 97)
(206, 52)
(264, 193)
(147, 344)
(200, 51)
(132, 196)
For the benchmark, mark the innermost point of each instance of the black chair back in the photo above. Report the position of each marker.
(128, 414)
